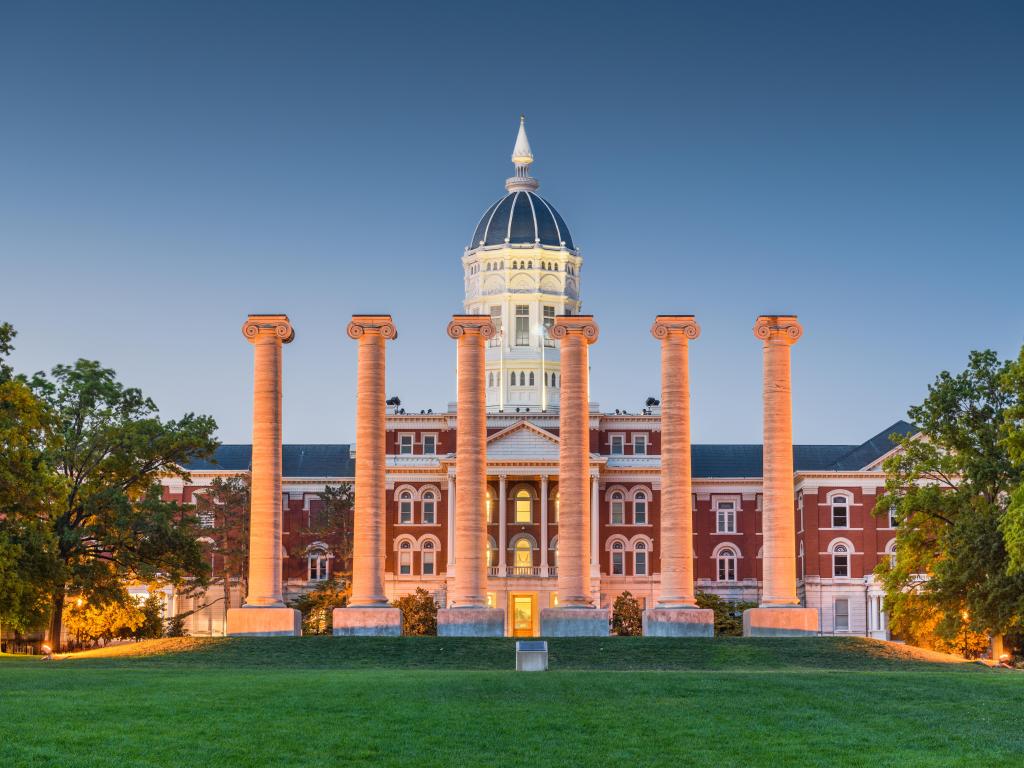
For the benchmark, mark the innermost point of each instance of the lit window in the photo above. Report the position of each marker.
(618, 505)
(726, 517)
(492, 553)
(556, 508)
(727, 565)
(840, 512)
(405, 508)
(429, 508)
(618, 559)
(427, 558)
(522, 325)
(640, 508)
(640, 559)
(405, 444)
(840, 561)
(523, 554)
(842, 615)
(553, 552)
(405, 558)
(640, 445)
(318, 565)
(488, 505)
(524, 507)
(429, 444)
(617, 442)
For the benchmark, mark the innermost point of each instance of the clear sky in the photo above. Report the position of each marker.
(167, 168)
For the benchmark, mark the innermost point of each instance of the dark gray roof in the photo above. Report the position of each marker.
(521, 217)
(709, 460)
(299, 460)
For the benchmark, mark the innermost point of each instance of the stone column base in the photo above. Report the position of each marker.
(780, 622)
(679, 622)
(471, 622)
(257, 621)
(360, 621)
(574, 622)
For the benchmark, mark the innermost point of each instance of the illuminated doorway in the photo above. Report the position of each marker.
(523, 615)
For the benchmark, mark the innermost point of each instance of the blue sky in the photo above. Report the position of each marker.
(167, 168)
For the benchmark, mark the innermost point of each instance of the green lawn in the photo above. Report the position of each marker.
(446, 702)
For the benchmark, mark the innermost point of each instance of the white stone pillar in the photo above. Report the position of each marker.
(543, 525)
(264, 612)
(502, 525)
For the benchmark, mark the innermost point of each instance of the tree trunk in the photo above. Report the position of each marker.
(57, 622)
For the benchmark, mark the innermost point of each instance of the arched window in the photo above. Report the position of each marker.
(618, 508)
(492, 552)
(890, 552)
(840, 512)
(429, 508)
(545, 378)
(640, 559)
(727, 564)
(529, 265)
(802, 565)
(523, 554)
(488, 505)
(427, 558)
(515, 265)
(553, 552)
(640, 508)
(531, 379)
(840, 561)
(405, 558)
(893, 520)
(490, 379)
(556, 507)
(618, 558)
(513, 378)
(524, 507)
(318, 564)
(405, 508)
(522, 379)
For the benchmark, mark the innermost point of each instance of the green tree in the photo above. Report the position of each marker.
(627, 617)
(419, 613)
(317, 606)
(334, 521)
(152, 618)
(223, 512)
(109, 448)
(949, 486)
(28, 489)
(728, 613)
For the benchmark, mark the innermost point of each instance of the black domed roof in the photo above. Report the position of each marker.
(522, 217)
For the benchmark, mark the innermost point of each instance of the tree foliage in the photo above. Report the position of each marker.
(728, 613)
(91, 623)
(222, 511)
(950, 486)
(419, 613)
(627, 617)
(335, 521)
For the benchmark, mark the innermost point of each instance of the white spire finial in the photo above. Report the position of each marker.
(522, 156)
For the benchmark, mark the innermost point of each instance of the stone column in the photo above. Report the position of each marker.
(778, 613)
(544, 525)
(575, 614)
(676, 613)
(368, 611)
(450, 554)
(467, 614)
(264, 612)
(502, 525)
(594, 528)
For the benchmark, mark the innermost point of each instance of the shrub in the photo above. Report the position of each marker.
(728, 614)
(419, 613)
(627, 618)
(317, 607)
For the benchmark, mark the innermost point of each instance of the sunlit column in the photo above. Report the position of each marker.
(471, 331)
(267, 333)
(543, 525)
(371, 331)
(675, 333)
(502, 523)
(778, 333)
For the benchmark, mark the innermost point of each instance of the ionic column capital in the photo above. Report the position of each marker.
(778, 328)
(372, 325)
(469, 325)
(278, 326)
(572, 325)
(675, 327)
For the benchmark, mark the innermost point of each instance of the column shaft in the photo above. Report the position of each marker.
(451, 525)
(543, 525)
(502, 524)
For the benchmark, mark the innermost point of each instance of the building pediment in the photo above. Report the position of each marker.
(522, 441)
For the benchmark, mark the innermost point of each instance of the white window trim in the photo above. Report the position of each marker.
(645, 438)
(611, 441)
(737, 502)
(412, 443)
(423, 443)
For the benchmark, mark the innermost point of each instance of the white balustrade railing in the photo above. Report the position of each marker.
(521, 571)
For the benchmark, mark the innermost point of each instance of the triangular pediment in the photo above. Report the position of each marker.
(522, 441)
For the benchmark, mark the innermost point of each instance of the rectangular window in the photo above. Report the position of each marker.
(640, 563)
(405, 444)
(618, 513)
(640, 445)
(726, 517)
(549, 320)
(428, 562)
(640, 509)
(727, 569)
(207, 519)
(430, 444)
(522, 325)
(405, 511)
(617, 442)
(524, 508)
(893, 522)
(840, 566)
(405, 562)
(618, 568)
(429, 513)
(842, 614)
(495, 340)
